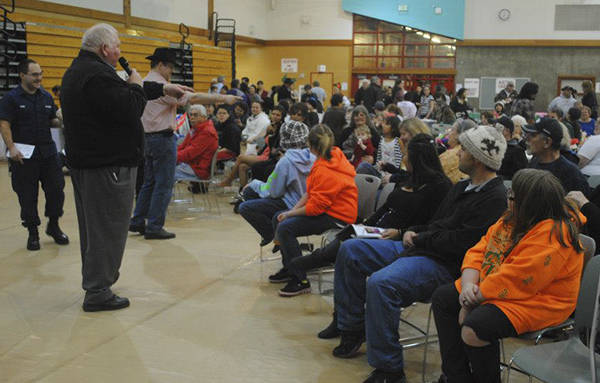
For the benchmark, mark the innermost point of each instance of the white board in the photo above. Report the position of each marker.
(472, 87)
(289, 65)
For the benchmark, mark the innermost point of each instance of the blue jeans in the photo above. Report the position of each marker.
(259, 213)
(184, 171)
(299, 226)
(159, 176)
(394, 282)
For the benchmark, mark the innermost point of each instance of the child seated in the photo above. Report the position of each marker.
(364, 147)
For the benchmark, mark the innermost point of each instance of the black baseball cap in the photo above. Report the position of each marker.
(548, 126)
(507, 123)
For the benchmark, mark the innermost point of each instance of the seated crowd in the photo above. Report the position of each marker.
(494, 261)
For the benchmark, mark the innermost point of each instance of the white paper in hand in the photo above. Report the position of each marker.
(26, 150)
(251, 150)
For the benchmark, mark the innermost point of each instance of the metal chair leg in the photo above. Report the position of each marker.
(426, 346)
(508, 368)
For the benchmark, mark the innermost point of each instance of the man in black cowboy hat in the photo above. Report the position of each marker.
(160, 153)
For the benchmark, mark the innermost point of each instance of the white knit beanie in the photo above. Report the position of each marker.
(486, 144)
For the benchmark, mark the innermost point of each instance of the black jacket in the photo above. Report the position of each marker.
(335, 119)
(514, 160)
(283, 93)
(589, 100)
(101, 114)
(230, 135)
(459, 223)
(372, 94)
(404, 209)
(359, 96)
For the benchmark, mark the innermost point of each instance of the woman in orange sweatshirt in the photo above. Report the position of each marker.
(331, 200)
(522, 276)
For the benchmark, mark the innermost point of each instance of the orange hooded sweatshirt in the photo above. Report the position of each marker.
(331, 188)
(536, 285)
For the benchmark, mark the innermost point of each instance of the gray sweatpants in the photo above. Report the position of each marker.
(104, 200)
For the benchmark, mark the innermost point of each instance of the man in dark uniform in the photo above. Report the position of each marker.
(26, 114)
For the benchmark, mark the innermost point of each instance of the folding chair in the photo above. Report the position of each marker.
(594, 181)
(367, 193)
(206, 183)
(385, 193)
(571, 360)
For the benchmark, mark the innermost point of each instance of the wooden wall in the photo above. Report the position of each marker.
(53, 40)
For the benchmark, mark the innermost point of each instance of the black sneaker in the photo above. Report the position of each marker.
(332, 330)
(349, 344)
(264, 242)
(308, 247)
(295, 287)
(282, 276)
(380, 376)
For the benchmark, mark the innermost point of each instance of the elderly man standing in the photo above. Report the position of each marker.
(104, 144)
(507, 95)
(104, 141)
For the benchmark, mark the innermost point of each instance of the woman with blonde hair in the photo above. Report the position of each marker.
(331, 200)
(409, 128)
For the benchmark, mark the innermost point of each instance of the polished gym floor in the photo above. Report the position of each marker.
(201, 308)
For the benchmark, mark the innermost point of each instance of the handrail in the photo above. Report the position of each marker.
(12, 8)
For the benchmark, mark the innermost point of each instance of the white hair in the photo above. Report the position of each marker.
(98, 35)
(519, 120)
(198, 108)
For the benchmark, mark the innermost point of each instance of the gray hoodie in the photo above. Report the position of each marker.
(288, 180)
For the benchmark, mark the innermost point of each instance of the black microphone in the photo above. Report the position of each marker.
(125, 65)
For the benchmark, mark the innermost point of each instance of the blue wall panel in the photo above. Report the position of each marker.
(420, 14)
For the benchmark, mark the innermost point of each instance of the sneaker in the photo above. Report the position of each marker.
(349, 344)
(295, 287)
(380, 376)
(308, 247)
(332, 330)
(264, 242)
(282, 276)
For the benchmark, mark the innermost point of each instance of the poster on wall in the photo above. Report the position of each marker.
(289, 65)
(501, 83)
(388, 83)
(472, 87)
